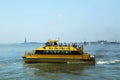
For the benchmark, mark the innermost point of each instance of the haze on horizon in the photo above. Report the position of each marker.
(69, 20)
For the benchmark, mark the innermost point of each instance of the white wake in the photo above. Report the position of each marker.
(108, 62)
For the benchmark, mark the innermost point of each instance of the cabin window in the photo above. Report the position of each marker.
(50, 52)
(75, 52)
(57, 52)
(39, 52)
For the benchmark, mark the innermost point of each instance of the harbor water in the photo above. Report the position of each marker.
(107, 65)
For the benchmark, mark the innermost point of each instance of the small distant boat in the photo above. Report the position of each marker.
(52, 52)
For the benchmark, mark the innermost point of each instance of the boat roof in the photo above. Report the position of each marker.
(52, 40)
(57, 47)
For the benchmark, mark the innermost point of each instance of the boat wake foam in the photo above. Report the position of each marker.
(108, 62)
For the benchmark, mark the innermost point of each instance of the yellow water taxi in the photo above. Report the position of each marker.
(54, 52)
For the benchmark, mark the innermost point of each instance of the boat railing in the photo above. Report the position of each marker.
(76, 45)
(29, 53)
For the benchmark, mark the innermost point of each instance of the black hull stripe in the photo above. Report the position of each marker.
(49, 59)
(55, 59)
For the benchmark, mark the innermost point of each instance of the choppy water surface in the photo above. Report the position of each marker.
(13, 68)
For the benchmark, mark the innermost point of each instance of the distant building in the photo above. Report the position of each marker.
(25, 41)
(102, 41)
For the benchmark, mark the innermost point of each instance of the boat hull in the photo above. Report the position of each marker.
(58, 60)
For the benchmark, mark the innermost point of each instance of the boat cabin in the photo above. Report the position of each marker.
(52, 47)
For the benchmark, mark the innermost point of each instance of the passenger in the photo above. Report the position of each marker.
(68, 45)
(74, 45)
(59, 44)
(55, 43)
(65, 44)
(50, 44)
(47, 43)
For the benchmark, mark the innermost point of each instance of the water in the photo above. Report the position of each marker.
(107, 65)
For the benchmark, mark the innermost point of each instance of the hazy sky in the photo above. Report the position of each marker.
(69, 20)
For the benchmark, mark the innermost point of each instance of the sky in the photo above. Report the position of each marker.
(67, 20)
